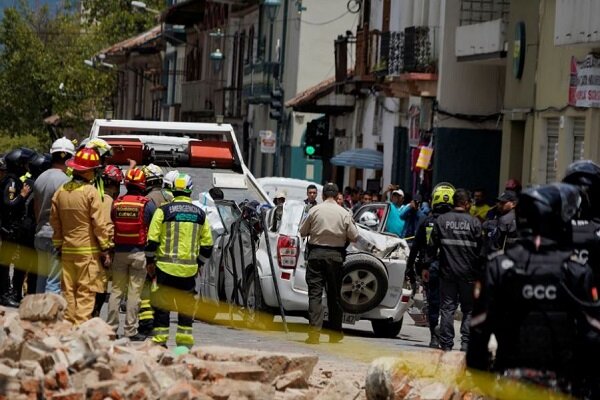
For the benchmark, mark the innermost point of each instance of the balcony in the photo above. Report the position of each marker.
(572, 28)
(481, 36)
(200, 98)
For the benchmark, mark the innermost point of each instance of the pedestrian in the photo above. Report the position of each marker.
(514, 185)
(311, 196)
(328, 227)
(340, 200)
(14, 196)
(49, 269)
(366, 198)
(131, 214)
(394, 223)
(456, 235)
(82, 234)
(428, 268)
(179, 240)
(279, 201)
(412, 216)
(480, 207)
(112, 176)
(532, 297)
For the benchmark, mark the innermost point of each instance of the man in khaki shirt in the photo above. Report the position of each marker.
(329, 228)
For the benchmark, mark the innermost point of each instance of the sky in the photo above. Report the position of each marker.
(9, 3)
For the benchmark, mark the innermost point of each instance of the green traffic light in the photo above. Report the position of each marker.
(310, 150)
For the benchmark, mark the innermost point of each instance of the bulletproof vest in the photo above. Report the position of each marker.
(586, 240)
(536, 326)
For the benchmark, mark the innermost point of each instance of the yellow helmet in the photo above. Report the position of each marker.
(442, 195)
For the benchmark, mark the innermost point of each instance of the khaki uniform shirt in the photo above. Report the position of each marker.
(329, 224)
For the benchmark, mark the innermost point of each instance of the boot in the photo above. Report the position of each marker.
(8, 301)
(434, 343)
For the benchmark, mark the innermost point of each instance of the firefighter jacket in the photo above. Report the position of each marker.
(13, 205)
(456, 239)
(528, 299)
(81, 223)
(179, 237)
(131, 215)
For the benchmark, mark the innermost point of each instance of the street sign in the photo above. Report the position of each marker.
(268, 142)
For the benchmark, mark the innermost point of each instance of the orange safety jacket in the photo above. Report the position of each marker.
(81, 224)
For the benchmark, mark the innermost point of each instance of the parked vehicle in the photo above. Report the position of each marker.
(372, 284)
(295, 189)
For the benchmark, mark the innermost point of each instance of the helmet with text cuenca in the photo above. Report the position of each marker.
(84, 160)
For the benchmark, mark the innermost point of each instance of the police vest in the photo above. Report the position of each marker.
(536, 327)
(128, 212)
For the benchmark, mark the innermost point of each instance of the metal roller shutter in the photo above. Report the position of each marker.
(552, 149)
(578, 138)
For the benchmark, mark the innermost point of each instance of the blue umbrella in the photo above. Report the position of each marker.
(359, 158)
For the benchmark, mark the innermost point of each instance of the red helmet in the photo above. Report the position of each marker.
(112, 175)
(136, 177)
(84, 160)
(514, 185)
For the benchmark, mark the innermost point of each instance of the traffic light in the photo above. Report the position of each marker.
(316, 140)
(276, 104)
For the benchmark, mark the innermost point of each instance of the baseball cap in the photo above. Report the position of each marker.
(280, 195)
(398, 192)
(508, 195)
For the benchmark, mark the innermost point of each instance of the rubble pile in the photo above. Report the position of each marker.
(422, 375)
(44, 357)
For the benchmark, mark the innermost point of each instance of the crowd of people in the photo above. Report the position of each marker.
(66, 227)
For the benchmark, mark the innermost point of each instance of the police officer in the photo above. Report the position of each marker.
(14, 194)
(131, 215)
(428, 269)
(179, 240)
(329, 227)
(585, 175)
(526, 296)
(501, 231)
(456, 240)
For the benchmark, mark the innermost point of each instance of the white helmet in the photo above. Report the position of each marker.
(62, 145)
(169, 179)
(154, 175)
(369, 219)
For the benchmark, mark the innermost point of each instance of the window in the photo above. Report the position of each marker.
(551, 149)
(578, 138)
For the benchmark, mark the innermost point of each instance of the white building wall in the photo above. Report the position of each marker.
(483, 84)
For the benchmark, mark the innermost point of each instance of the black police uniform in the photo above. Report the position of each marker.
(523, 302)
(11, 214)
(457, 236)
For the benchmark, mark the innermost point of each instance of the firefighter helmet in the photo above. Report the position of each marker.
(62, 145)
(154, 175)
(136, 177)
(85, 159)
(112, 175)
(183, 183)
(169, 179)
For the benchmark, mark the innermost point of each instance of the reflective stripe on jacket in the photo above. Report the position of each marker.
(81, 224)
(179, 237)
(128, 217)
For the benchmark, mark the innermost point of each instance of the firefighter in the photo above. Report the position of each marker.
(154, 183)
(531, 297)
(45, 186)
(112, 176)
(179, 240)
(158, 187)
(428, 269)
(82, 235)
(131, 214)
(14, 196)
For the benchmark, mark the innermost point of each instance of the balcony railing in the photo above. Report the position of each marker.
(478, 11)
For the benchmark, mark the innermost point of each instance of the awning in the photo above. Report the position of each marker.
(359, 158)
(146, 40)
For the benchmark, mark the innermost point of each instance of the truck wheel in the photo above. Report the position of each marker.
(384, 328)
(256, 313)
(364, 283)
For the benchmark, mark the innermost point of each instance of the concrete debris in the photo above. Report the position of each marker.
(423, 375)
(42, 356)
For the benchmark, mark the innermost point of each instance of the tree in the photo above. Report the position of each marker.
(42, 70)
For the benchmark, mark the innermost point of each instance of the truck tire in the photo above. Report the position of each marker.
(256, 314)
(364, 283)
(384, 328)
